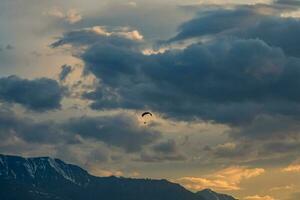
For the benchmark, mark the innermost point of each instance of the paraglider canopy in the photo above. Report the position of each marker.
(147, 113)
(146, 116)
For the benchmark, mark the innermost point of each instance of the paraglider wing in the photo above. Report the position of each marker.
(146, 113)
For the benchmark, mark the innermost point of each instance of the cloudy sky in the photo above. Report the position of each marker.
(221, 78)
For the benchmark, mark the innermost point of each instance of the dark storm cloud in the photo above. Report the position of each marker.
(230, 150)
(288, 2)
(155, 19)
(266, 137)
(38, 94)
(94, 35)
(248, 71)
(228, 81)
(280, 32)
(216, 21)
(152, 157)
(120, 131)
(245, 22)
(43, 132)
(286, 147)
(162, 151)
(118, 63)
(279, 126)
(65, 71)
(100, 155)
(271, 151)
(165, 147)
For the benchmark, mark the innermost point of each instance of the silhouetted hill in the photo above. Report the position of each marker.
(208, 194)
(46, 178)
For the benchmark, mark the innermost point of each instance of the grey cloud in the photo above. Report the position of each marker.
(166, 147)
(267, 137)
(201, 80)
(216, 21)
(90, 36)
(99, 155)
(38, 94)
(25, 128)
(270, 151)
(9, 47)
(288, 2)
(120, 131)
(245, 22)
(231, 150)
(85, 154)
(150, 157)
(161, 152)
(227, 80)
(148, 13)
(278, 126)
(280, 32)
(65, 71)
(286, 147)
(244, 83)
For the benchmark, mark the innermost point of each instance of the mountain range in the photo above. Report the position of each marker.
(45, 178)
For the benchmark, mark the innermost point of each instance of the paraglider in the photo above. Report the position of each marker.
(145, 115)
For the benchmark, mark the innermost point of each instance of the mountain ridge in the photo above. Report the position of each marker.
(42, 178)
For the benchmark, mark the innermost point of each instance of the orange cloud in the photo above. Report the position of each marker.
(292, 168)
(256, 197)
(94, 170)
(286, 187)
(106, 173)
(226, 179)
(123, 32)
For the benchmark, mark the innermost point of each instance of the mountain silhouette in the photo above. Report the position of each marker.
(46, 178)
(208, 194)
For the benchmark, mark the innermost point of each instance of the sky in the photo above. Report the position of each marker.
(220, 77)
